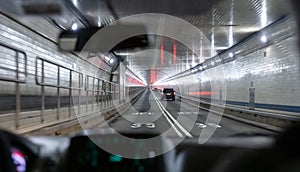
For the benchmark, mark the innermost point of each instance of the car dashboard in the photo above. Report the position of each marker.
(80, 153)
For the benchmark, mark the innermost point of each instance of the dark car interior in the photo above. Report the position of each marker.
(104, 149)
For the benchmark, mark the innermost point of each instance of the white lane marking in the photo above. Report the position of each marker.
(214, 125)
(172, 118)
(200, 125)
(136, 125)
(188, 113)
(179, 125)
(172, 125)
(143, 113)
(150, 125)
(139, 125)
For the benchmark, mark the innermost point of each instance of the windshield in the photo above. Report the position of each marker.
(181, 70)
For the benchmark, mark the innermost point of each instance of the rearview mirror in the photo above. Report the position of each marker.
(105, 39)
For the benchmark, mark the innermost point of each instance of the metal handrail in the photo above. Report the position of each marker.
(58, 86)
(80, 74)
(18, 51)
(98, 88)
(17, 79)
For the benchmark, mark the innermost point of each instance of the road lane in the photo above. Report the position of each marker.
(148, 115)
(226, 127)
(174, 122)
(144, 116)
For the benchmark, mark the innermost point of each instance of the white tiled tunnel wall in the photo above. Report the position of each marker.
(34, 45)
(273, 71)
(14, 34)
(271, 68)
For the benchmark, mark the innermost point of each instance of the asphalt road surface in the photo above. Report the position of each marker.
(177, 119)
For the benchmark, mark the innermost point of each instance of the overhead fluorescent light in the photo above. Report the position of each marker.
(74, 26)
(106, 58)
(247, 29)
(264, 39)
(122, 53)
(111, 61)
(75, 2)
(221, 48)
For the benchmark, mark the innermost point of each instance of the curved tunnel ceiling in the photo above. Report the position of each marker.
(223, 22)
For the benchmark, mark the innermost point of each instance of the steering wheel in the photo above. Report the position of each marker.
(6, 162)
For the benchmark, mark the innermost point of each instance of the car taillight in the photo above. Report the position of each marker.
(174, 93)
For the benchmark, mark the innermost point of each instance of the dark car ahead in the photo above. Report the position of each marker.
(168, 93)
